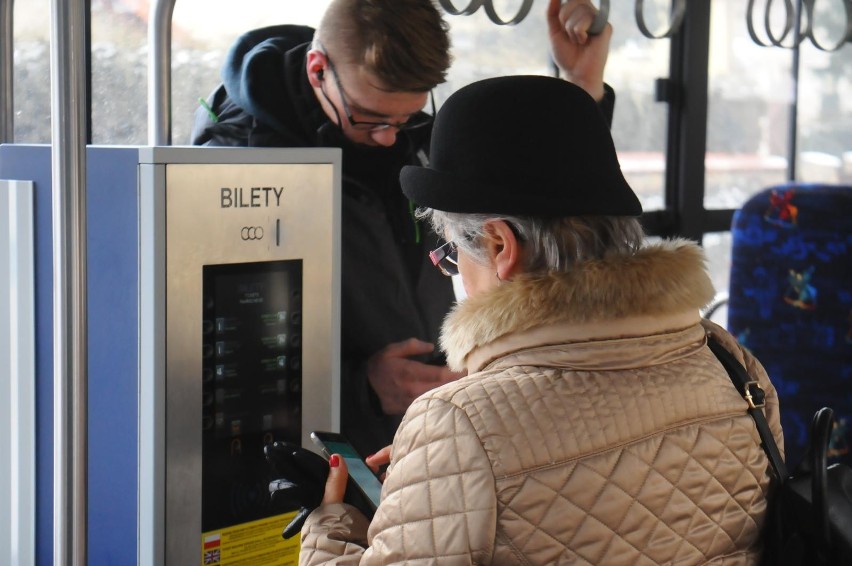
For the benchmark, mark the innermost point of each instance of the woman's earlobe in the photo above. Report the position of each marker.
(506, 250)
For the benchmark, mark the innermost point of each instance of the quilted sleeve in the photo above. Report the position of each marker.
(438, 501)
(333, 534)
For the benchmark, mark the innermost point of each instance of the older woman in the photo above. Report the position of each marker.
(594, 425)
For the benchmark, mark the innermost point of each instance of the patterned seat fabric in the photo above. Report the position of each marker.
(791, 303)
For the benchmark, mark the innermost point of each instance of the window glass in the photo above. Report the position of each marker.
(119, 72)
(749, 97)
(717, 247)
(639, 125)
(824, 127)
(750, 104)
(31, 73)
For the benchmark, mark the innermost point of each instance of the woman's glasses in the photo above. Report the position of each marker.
(446, 259)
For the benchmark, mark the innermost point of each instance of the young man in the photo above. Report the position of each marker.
(360, 83)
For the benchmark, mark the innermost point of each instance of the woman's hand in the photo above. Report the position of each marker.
(335, 485)
(379, 459)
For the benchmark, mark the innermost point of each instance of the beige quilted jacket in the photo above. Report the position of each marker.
(594, 427)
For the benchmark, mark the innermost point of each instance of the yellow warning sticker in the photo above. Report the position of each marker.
(258, 543)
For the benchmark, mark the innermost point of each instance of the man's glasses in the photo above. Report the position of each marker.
(446, 259)
(417, 120)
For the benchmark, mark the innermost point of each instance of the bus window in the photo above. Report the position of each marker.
(749, 103)
(119, 72)
(31, 75)
(717, 246)
(824, 139)
(640, 122)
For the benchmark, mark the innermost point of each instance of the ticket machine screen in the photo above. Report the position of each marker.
(251, 383)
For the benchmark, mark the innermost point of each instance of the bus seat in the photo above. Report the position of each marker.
(790, 303)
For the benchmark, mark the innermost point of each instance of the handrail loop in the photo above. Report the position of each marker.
(678, 12)
(807, 29)
(519, 17)
(474, 5)
(601, 18)
(789, 19)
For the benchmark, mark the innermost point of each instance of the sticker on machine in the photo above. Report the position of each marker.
(258, 543)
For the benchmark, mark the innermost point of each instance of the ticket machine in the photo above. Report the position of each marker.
(239, 341)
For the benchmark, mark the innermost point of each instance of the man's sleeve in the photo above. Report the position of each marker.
(607, 104)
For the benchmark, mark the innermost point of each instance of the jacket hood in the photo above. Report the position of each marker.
(666, 279)
(256, 74)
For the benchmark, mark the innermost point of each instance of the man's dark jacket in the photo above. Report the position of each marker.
(391, 292)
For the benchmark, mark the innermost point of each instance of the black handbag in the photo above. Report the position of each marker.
(809, 519)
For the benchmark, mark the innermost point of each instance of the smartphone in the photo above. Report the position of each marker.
(360, 473)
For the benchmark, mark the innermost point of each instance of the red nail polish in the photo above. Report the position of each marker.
(334, 461)
(370, 456)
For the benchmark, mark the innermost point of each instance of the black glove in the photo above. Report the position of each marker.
(302, 485)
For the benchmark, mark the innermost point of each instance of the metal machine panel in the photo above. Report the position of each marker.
(240, 330)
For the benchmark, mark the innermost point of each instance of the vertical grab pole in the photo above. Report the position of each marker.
(160, 72)
(7, 106)
(70, 402)
(793, 132)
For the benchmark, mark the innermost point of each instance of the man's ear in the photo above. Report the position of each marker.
(504, 250)
(315, 67)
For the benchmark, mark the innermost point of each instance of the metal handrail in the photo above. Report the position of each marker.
(794, 13)
(160, 72)
(678, 12)
(70, 384)
(7, 108)
(474, 5)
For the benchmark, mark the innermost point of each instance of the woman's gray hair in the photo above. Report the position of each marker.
(550, 244)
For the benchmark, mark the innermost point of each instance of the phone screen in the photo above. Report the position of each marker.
(360, 473)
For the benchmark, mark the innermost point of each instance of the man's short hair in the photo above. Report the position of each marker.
(404, 43)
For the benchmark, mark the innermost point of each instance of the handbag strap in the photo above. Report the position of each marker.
(754, 395)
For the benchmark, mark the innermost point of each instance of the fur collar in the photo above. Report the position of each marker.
(661, 279)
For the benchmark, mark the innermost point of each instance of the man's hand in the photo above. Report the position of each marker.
(398, 380)
(580, 57)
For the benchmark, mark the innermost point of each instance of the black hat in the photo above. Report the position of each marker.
(521, 145)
